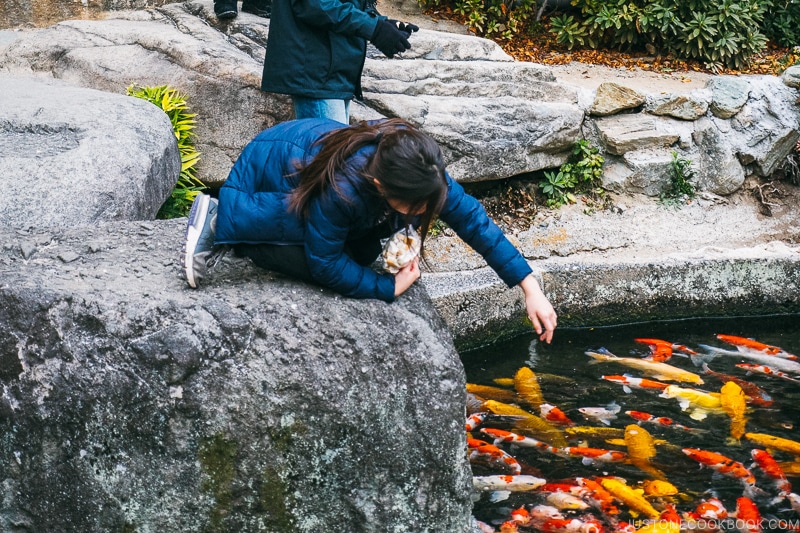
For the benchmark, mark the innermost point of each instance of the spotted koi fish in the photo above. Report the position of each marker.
(483, 451)
(474, 420)
(723, 465)
(766, 370)
(518, 483)
(663, 421)
(630, 382)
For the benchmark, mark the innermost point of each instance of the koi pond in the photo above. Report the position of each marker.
(688, 434)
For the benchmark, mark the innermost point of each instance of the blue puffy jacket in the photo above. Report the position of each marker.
(253, 208)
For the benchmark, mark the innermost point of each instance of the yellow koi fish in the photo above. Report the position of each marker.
(662, 371)
(495, 393)
(657, 488)
(697, 402)
(774, 443)
(641, 448)
(596, 432)
(529, 423)
(629, 496)
(527, 387)
(733, 401)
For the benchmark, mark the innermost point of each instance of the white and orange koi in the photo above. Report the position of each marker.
(663, 421)
(604, 415)
(571, 525)
(711, 509)
(551, 413)
(483, 451)
(598, 497)
(661, 371)
(629, 382)
(502, 436)
(743, 344)
(661, 350)
(591, 455)
(723, 465)
(772, 469)
(766, 370)
(778, 363)
(474, 420)
(518, 483)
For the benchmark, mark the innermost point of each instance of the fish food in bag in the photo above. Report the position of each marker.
(401, 249)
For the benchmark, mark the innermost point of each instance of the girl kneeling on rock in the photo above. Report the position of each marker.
(312, 199)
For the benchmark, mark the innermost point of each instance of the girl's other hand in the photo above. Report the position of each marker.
(406, 277)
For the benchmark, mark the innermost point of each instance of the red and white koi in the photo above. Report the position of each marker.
(629, 382)
(591, 455)
(503, 436)
(661, 350)
(476, 419)
(604, 415)
(518, 483)
(766, 370)
(779, 363)
(598, 497)
(772, 469)
(663, 421)
(711, 509)
(483, 451)
(743, 344)
(553, 414)
(748, 517)
(571, 525)
(723, 465)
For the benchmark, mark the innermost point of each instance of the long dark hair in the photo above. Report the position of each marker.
(407, 164)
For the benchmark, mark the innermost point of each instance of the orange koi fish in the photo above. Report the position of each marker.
(711, 509)
(624, 527)
(661, 350)
(664, 421)
(772, 469)
(553, 414)
(744, 344)
(661, 371)
(723, 465)
(483, 451)
(518, 483)
(598, 497)
(629, 382)
(755, 394)
(658, 488)
(748, 517)
(766, 370)
(571, 525)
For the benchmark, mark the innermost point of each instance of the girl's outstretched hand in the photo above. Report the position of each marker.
(406, 277)
(539, 309)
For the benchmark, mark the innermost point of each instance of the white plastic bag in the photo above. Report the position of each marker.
(401, 249)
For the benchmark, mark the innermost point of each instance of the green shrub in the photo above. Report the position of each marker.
(491, 18)
(782, 26)
(679, 190)
(188, 186)
(724, 33)
(580, 174)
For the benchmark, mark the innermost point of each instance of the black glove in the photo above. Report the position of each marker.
(388, 38)
(406, 27)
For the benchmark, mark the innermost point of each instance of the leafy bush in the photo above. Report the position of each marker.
(782, 26)
(723, 33)
(679, 190)
(491, 18)
(174, 105)
(580, 174)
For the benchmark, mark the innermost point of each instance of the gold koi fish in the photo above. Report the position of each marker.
(774, 443)
(630, 497)
(699, 403)
(734, 402)
(641, 448)
(527, 387)
(662, 371)
(495, 393)
(529, 423)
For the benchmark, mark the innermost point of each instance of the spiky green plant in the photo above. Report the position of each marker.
(189, 185)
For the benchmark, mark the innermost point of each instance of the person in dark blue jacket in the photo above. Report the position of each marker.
(312, 199)
(316, 51)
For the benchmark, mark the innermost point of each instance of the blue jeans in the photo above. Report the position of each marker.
(338, 110)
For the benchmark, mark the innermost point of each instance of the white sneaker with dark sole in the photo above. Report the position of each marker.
(199, 238)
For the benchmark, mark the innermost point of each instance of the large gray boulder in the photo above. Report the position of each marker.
(71, 156)
(132, 403)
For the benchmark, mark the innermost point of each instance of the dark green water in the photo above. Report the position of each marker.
(569, 380)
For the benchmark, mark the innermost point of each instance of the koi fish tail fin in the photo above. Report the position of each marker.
(753, 492)
(613, 407)
(700, 358)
